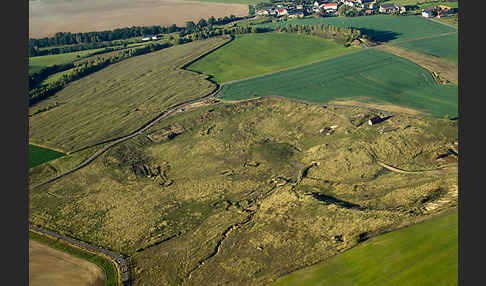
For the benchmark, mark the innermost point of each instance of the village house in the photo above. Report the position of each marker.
(392, 8)
(429, 12)
(329, 7)
(374, 120)
(282, 12)
(296, 14)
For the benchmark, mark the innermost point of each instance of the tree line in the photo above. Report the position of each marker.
(341, 35)
(86, 38)
(79, 70)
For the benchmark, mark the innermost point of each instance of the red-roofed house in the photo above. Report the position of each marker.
(328, 6)
(281, 12)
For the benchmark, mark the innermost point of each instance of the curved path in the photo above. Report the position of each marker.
(114, 256)
(397, 170)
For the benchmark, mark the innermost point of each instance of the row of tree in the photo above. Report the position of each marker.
(38, 93)
(67, 38)
(342, 35)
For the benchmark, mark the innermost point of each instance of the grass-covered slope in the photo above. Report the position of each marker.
(383, 28)
(254, 54)
(423, 254)
(120, 98)
(368, 75)
(39, 155)
(40, 62)
(445, 47)
(253, 190)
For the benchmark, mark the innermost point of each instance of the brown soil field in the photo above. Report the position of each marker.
(46, 17)
(48, 266)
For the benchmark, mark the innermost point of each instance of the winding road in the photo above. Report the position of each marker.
(124, 275)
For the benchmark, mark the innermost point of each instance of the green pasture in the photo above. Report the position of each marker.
(422, 254)
(39, 155)
(384, 28)
(368, 75)
(254, 54)
(40, 62)
(445, 47)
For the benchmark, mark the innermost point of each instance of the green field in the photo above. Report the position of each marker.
(384, 28)
(38, 63)
(423, 254)
(39, 155)
(120, 98)
(255, 54)
(445, 47)
(368, 75)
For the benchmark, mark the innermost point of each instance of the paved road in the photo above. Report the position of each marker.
(125, 275)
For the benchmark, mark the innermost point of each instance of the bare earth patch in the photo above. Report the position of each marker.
(444, 68)
(48, 266)
(382, 106)
(48, 17)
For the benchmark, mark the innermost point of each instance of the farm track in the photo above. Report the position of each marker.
(424, 38)
(114, 256)
(397, 170)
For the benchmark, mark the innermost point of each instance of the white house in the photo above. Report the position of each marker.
(146, 39)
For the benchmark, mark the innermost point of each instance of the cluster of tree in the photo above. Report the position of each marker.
(192, 27)
(67, 38)
(36, 78)
(35, 51)
(341, 35)
(86, 67)
(348, 11)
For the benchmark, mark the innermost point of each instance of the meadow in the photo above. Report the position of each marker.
(275, 196)
(445, 47)
(254, 54)
(40, 62)
(422, 254)
(382, 28)
(368, 76)
(120, 98)
(39, 155)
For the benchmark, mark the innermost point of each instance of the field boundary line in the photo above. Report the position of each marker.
(397, 170)
(423, 38)
(116, 259)
(294, 67)
(433, 20)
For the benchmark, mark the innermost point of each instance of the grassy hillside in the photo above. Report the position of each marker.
(255, 54)
(445, 47)
(120, 98)
(38, 63)
(253, 190)
(368, 76)
(423, 254)
(39, 155)
(384, 28)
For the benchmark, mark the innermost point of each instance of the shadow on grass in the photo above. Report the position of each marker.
(377, 35)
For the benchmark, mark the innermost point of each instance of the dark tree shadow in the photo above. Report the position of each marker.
(379, 36)
(333, 200)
